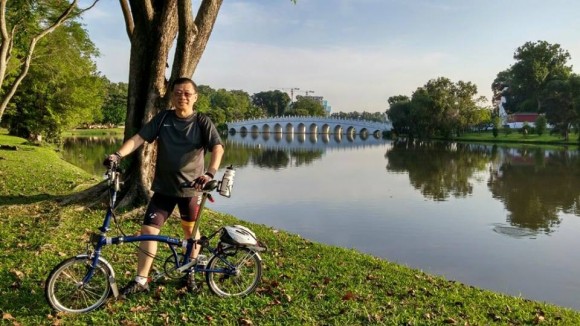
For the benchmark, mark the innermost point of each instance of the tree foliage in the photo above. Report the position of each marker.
(537, 64)
(440, 107)
(23, 24)
(369, 116)
(62, 88)
(114, 106)
(306, 106)
(222, 105)
(562, 103)
(274, 103)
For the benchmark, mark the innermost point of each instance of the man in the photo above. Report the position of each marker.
(183, 136)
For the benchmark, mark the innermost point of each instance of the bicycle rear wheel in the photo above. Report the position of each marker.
(65, 290)
(240, 272)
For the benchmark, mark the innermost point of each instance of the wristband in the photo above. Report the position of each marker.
(118, 154)
(212, 172)
(209, 174)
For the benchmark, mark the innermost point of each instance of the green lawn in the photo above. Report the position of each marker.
(304, 283)
(515, 136)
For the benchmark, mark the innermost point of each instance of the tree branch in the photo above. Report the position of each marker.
(196, 37)
(66, 14)
(127, 15)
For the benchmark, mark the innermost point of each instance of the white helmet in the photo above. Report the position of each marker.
(238, 235)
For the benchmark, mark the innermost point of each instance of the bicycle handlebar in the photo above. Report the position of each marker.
(208, 187)
(112, 175)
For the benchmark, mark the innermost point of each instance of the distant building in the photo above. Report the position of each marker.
(517, 120)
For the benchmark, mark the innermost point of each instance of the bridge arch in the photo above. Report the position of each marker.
(301, 128)
(310, 125)
(289, 128)
(313, 129)
(277, 128)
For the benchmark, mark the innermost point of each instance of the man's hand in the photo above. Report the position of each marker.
(112, 160)
(200, 181)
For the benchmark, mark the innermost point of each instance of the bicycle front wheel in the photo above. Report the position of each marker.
(236, 272)
(66, 291)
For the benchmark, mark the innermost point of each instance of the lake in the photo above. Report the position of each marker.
(503, 218)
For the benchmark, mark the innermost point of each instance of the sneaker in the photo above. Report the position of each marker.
(132, 288)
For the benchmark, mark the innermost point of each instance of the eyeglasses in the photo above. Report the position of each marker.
(180, 94)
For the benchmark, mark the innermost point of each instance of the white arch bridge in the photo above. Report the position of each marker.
(309, 125)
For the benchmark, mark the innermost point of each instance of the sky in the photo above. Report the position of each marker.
(356, 53)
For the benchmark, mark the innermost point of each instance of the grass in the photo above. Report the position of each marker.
(94, 132)
(304, 282)
(515, 136)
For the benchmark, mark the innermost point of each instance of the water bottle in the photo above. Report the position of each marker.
(227, 183)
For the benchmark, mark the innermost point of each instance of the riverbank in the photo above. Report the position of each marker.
(94, 132)
(304, 282)
(518, 138)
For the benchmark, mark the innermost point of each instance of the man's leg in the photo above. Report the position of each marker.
(188, 209)
(159, 209)
(147, 251)
(187, 232)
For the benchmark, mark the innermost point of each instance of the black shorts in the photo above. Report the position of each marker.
(161, 206)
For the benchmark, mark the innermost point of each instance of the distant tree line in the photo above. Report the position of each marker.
(440, 107)
(540, 81)
(369, 116)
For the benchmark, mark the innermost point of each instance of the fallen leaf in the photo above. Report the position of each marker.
(245, 322)
(19, 275)
(348, 296)
(139, 309)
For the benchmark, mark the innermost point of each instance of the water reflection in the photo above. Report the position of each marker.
(279, 151)
(88, 152)
(534, 184)
(437, 169)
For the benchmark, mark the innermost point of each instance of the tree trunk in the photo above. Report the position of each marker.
(153, 26)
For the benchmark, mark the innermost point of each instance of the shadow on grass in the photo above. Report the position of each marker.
(26, 293)
(24, 200)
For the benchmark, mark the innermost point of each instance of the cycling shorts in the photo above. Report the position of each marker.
(161, 206)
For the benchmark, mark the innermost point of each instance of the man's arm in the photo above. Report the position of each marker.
(216, 158)
(131, 145)
(127, 148)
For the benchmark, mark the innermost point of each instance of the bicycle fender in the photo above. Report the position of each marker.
(112, 279)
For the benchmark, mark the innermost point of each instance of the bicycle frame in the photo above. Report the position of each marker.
(84, 282)
(100, 240)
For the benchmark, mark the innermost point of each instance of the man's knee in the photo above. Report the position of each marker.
(147, 229)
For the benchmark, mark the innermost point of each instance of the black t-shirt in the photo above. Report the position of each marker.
(180, 152)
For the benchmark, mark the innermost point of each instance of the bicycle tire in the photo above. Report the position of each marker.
(239, 281)
(64, 290)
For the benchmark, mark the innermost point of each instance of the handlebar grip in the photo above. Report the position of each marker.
(209, 186)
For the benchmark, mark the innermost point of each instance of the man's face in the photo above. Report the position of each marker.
(183, 96)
